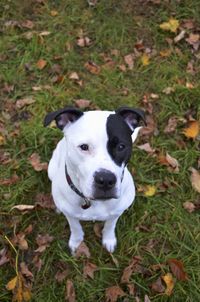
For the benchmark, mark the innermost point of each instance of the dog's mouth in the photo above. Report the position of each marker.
(104, 196)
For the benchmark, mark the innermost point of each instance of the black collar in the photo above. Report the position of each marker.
(87, 202)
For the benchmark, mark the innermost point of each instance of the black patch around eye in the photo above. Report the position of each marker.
(119, 143)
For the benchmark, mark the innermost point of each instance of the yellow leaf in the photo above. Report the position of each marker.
(168, 279)
(165, 53)
(150, 191)
(2, 140)
(54, 13)
(195, 179)
(192, 130)
(12, 283)
(172, 25)
(26, 294)
(145, 59)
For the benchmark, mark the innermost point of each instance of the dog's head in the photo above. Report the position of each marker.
(99, 145)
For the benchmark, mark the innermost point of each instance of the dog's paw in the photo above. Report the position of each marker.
(74, 244)
(110, 244)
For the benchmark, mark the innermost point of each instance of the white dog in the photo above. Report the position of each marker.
(90, 180)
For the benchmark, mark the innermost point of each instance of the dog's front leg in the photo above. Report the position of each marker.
(109, 239)
(77, 234)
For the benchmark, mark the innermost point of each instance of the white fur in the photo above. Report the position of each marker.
(89, 129)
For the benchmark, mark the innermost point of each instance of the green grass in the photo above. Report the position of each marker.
(110, 25)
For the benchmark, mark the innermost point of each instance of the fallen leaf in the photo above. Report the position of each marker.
(165, 53)
(172, 25)
(157, 286)
(25, 271)
(189, 206)
(27, 24)
(10, 181)
(132, 267)
(74, 76)
(150, 191)
(23, 207)
(54, 13)
(145, 59)
(83, 41)
(146, 147)
(81, 103)
(131, 289)
(20, 240)
(24, 102)
(82, 250)
(21, 292)
(195, 179)
(3, 257)
(194, 40)
(146, 299)
(98, 229)
(129, 60)
(36, 164)
(89, 269)
(168, 90)
(192, 130)
(43, 241)
(41, 64)
(171, 125)
(92, 67)
(177, 269)
(173, 163)
(45, 201)
(113, 293)
(180, 36)
(60, 276)
(70, 294)
(168, 279)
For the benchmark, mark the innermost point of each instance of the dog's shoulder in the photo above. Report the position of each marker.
(56, 158)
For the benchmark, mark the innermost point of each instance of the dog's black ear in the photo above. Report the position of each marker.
(132, 116)
(63, 117)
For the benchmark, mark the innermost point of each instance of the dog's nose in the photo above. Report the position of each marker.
(105, 180)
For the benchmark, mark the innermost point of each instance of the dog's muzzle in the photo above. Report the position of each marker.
(104, 185)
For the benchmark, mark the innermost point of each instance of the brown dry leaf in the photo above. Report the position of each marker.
(83, 41)
(168, 90)
(113, 293)
(195, 179)
(131, 289)
(146, 299)
(4, 257)
(25, 271)
(165, 53)
(189, 206)
(92, 67)
(23, 207)
(151, 128)
(146, 147)
(177, 269)
(194, 40)
(89, 269)
(180, 36)
(171, 125)
(20, 240)
(10, 181)
(43, 241)
(60, 276)
(134, 266)
(27, 24)
(82, 250)
(74, 76)
(36, 164)
(45, 201)
(98, 229)
(24, 102)
(173, 163)
(129, 60)
(172, 25)
(81, 103)
(41, 64)
(157, 286)
(192, 130)
(168, 279)
(70, 295)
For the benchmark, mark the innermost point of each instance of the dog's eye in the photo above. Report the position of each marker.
(84, 147)
(121, 147)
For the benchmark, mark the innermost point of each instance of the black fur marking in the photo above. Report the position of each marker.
(118, 134)
(63, 116)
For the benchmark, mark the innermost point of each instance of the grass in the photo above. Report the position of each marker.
(110, 25)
